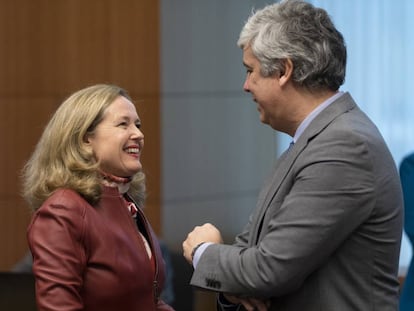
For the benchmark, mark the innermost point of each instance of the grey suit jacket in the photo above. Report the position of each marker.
(326, 231)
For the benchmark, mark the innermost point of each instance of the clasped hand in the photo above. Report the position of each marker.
(209, 233)
(200, 234)
(250, 304)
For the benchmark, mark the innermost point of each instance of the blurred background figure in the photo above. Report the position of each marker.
(407, 181)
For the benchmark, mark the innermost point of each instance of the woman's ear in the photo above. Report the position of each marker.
(286, 74)
(87, 143)
(87, 139)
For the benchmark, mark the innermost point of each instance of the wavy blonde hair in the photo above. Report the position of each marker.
(62, 159)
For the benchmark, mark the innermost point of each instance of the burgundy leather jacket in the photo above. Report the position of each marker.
(93, 257)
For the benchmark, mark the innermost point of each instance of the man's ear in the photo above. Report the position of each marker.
(286, 74)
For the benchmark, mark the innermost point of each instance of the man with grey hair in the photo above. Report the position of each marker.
(326, 231)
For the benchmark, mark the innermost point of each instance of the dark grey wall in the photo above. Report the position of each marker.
(215, 151)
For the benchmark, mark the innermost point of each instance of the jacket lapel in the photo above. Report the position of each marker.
(287, 159)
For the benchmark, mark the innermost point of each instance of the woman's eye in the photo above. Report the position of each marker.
(138, 125)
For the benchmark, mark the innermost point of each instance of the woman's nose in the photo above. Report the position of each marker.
(137, 133)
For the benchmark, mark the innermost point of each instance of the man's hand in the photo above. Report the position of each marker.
(200, 234)
(250, 304)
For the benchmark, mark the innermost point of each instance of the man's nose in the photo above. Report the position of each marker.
(246, 85)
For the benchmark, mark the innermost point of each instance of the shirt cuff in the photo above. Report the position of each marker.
(200, 252)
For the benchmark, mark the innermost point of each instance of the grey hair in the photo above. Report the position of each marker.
(296, 30)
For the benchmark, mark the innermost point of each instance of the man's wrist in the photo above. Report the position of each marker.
(195, 249)
(199, 252)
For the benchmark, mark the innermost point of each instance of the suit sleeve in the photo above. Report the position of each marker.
(55, 240)
(323, 200)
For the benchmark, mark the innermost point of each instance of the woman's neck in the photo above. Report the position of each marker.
(115, 181)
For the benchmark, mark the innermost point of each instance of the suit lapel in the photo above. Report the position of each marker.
(287, 159)
(282, 167)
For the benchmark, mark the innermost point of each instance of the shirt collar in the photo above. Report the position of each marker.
(305, 123)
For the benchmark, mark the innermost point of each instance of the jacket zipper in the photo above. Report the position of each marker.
(141, 216)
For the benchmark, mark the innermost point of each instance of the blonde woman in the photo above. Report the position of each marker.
(93, 248)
